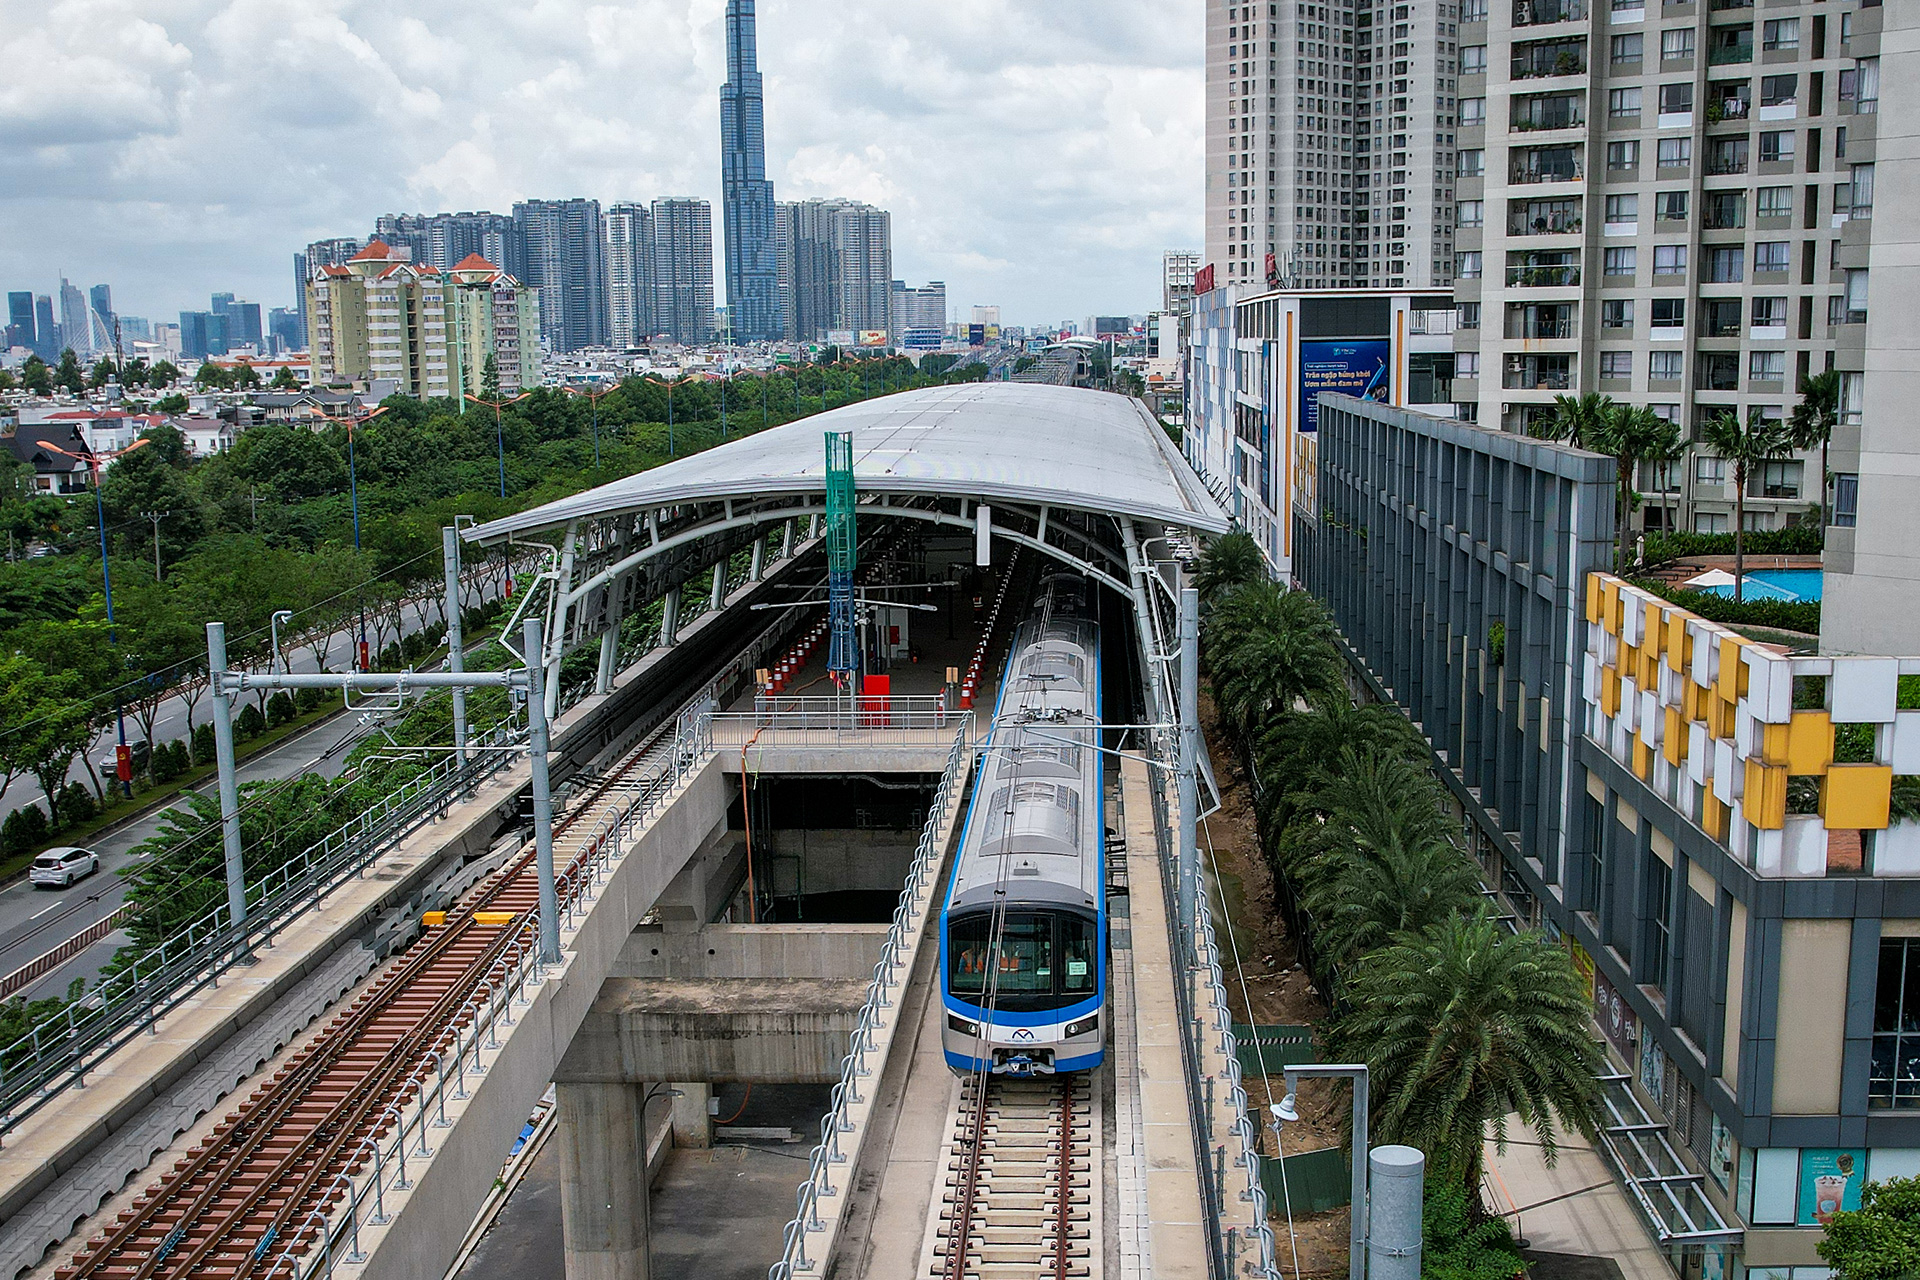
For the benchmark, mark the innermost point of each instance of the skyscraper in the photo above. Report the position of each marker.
(919, 315)
(629, 274)
(74, 328)
(442, 240)
(1176, 287)
(683, 269)
(1329, 143)
(46, 332)
(746, 200)
(20, 320)
(566, 262)
(100, 317)
(841, 267)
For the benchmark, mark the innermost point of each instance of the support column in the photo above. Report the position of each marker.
(609, 659)
(229, 782)
(670, 618)
(603, 1181)
(557, 630)
(456, 640)
(758, 567)
(719, 585)
(786, 541)
(692, 1123)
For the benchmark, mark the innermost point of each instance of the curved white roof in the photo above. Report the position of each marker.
(1060, 446)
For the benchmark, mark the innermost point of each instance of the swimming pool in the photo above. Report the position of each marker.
(1777, 584)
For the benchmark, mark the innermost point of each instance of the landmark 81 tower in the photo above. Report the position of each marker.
(753, 308)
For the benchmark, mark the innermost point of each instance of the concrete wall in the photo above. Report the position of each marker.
(758, 1030)
(834, 860)
(843, 951)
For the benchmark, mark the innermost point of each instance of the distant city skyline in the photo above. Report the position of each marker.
(1035, 157)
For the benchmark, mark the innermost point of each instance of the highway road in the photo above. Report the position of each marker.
(34, 921)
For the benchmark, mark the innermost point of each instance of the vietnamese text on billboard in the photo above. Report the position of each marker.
(1354, 368)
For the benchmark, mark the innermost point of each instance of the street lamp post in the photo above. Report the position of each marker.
(596, 397)
(353, 491)
(499, 430)
(156, 517)
(123, 759)
(1285, 1110)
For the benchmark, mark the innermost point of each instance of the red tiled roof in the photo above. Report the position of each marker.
(376, 251)
(474, 262)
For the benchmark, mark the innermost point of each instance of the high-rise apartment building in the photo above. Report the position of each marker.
(629, 274)
(683, 269)
(76, 330)
(1176, 279)
(746, 200)
(321, 253)
(441, 240)
(565, 258)
(491, 314)
(1330, 143)
(1670, 204)
(919, 315)
(840, 256)
(380, 316)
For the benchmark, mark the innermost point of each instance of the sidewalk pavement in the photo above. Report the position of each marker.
(1595, 1217)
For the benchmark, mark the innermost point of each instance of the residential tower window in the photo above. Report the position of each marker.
(1772, 255)
(1619, 261)
(1616, 313)
(1669, 260)
(1616, 364)
(1773, 202)
(1893, 1080)
(1780, 33)
(1675, 153)
(1670, 206)
(1664, 366)
(1676, 45)
(1776, 146)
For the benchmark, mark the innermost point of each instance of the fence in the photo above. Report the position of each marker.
(474, 1030)
(59, 1051)
(840, 722)
(888, 977)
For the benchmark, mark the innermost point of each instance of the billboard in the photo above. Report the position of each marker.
(1203, 279)
(1356, 367)
(873, 337)
(993, 333)
(840, 337)
(927, 339)
(976, 335)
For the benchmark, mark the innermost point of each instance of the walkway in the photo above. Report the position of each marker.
(1575, 1207)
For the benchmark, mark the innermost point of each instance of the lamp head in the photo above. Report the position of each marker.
(1285, 1110)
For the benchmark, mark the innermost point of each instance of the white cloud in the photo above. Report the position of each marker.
(1035, 155)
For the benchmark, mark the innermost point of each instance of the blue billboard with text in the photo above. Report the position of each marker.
(1354, 367)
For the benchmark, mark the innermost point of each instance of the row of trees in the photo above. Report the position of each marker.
(1633, 435)
(1462, 1021)
(42, 379)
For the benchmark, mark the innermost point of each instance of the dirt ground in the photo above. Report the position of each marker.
(1270, 987)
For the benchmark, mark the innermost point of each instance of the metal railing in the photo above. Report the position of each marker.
(777, 721)
(889, 976)
(474, 1030)
(59, 1051)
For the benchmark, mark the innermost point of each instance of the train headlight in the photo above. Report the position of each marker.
(964, 1026)
(1089, 1023)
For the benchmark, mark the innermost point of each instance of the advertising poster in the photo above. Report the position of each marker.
(976, 335)
(873, 337)
(1653, 1071)
(1720, 1152)
(1354, 368)
(1830, 1180)
(1615, 1019)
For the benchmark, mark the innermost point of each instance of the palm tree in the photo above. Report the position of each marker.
(1268, 648)
(1629, 435)
(1811, 424)
(1295, 756)
(1464, 1026)
(1228, 562)
(1747, 445)
(1383, 863)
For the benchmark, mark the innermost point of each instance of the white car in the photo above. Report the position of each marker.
(61, 867)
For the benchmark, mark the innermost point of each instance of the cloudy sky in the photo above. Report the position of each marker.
(1038, 154)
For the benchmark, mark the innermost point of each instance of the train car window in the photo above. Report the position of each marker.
(1078, 939)
(1023, 956)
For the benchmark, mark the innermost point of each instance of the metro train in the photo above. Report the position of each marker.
(1023, 928)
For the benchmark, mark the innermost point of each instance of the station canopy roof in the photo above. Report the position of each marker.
(1061, 447)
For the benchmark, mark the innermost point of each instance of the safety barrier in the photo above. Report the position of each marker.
(59, 1051)
(889, 977)
(474, 1030)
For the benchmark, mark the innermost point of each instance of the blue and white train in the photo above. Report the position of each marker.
(1023, 930)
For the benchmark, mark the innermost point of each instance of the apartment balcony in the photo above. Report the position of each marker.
(1550, 58)
(1723, 53)
(1537, 373)
(1723, 161)
(1536, 329)
(1533, 13)
(1543, 277)
(1560, 165)
(1545, 225)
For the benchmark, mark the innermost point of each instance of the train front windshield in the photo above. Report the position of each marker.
(1041, 960)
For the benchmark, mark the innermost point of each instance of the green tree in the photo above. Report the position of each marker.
(1627, 434)
(49, 722)
(102, 373)
(285, 380)
(163, 375)
(36, 377)
(1881, 1239)
(1268, 648)
(134, 372)
(1811, 424)
(490, 378)
(1382, 863)
(210, 377)
(175, 403)
(69, 374)
(1746, 445)
(244, 377)
(1296, 756)
(1458, 1242)
(1230, 561)
(292, 463)
(7, 381)
(1463, 1027)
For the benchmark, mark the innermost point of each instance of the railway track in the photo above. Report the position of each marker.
(257, 1190)
(1020, 1199)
